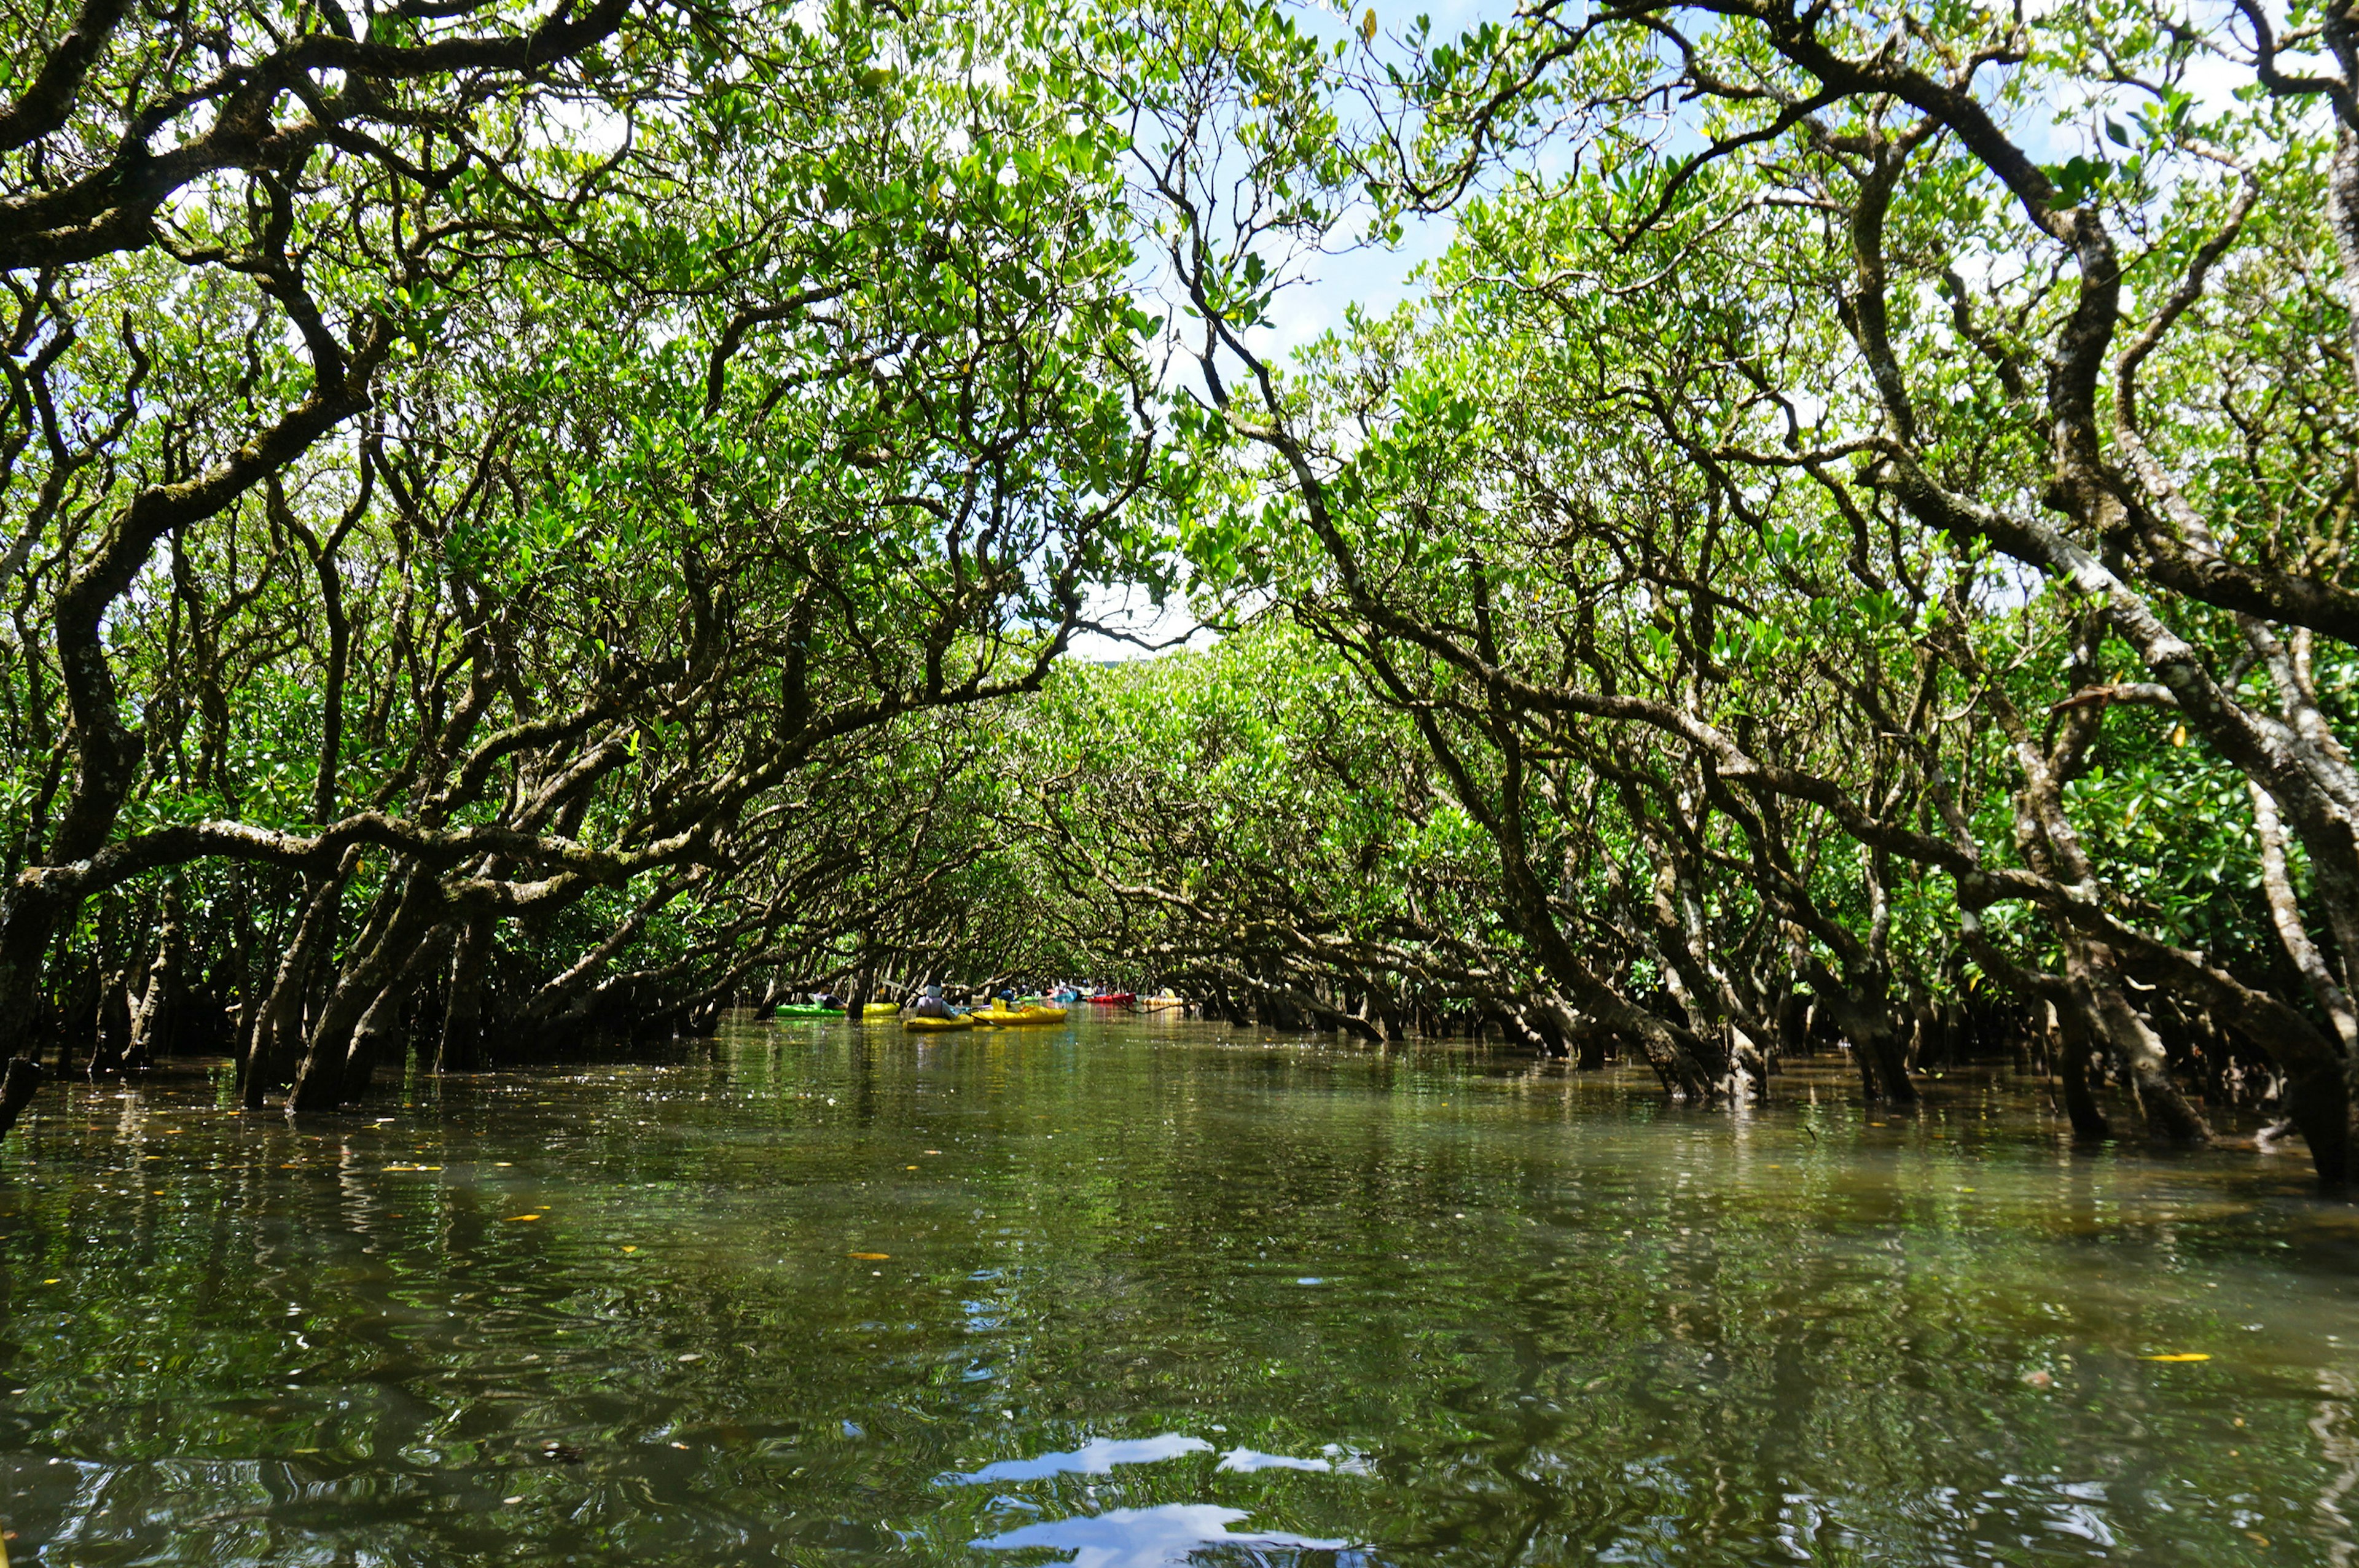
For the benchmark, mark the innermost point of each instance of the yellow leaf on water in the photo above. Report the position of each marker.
(630, 1249)
(524, 1217)
(2179, 1355)
(872, 1257)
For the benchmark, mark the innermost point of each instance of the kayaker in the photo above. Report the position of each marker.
(933, 1006)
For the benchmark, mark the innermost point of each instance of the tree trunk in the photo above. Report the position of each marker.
(22, 1077)
(278, 1026)
(380, 1028)
(2089, 1123)
(2320, 1103)
(319, 1081)
(1867, 1023)
(462, 1048)
(114, 1042)
(2097, 989)
(156, 1028)
(78, 1025)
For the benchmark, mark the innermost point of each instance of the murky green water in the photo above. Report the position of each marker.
(1128, 1295)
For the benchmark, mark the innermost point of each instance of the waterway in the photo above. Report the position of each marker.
(1135, 1292)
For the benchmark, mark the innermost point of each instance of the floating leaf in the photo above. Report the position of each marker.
(516, 1217)
(872, 1257)
(2179, 1355)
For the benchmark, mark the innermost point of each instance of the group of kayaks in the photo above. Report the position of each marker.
(998, 1015)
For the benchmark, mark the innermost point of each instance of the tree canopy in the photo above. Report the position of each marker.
(522, 524)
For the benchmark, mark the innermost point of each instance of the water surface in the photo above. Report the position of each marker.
(1140, 1292)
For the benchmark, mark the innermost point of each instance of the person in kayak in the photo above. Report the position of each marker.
(933, 1006)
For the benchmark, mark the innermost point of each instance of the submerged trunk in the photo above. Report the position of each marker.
(2072, 1058)
(461, 1047)
(114, 1042)
(1867, 1022)
(379, 1033)
(78, 1024)
(156, 1027)
(22, 1077)
(2126, 1039)
(320, 1080)
(278, 1026)
(2320, 1105)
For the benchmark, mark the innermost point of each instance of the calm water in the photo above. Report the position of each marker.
(1139, 1293)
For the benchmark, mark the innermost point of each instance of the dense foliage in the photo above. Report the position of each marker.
(545, 523)
(483, 488)
(1802, 486)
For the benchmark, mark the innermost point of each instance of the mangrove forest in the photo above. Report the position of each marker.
(1179, 781)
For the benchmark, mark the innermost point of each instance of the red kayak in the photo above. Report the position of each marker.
(1115, 998)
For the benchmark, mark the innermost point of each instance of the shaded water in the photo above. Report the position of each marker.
(1141, 1293)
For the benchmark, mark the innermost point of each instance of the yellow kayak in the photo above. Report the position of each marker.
(880, 1010)
(917, 1025)
(1022, 1015)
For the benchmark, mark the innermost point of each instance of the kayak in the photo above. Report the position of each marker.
(807, 1009)
(1022, 1015)
(1158, 1003)
(1115, 999)
(917, 1025)
(880, 1010)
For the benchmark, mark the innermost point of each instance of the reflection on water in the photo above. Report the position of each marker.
(1144, 1292)
(1245, 1460)
(1096, 1457)
(1171, 1533)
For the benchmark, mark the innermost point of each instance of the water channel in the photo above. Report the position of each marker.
(1135, 1292)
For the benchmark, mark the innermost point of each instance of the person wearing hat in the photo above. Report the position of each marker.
(933, 1006)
